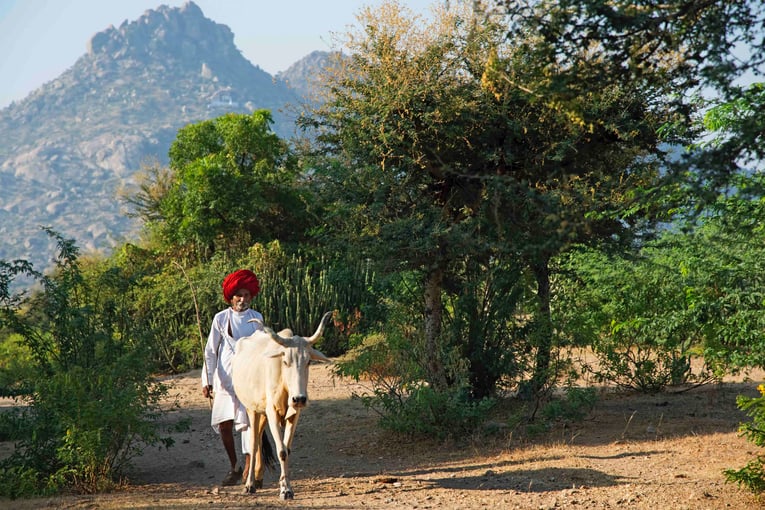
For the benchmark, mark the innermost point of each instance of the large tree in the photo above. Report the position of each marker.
(695, 49)
(668, 53)
(688, 42)
(397, 124)
(444, 153)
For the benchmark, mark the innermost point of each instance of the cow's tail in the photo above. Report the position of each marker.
(269, 459)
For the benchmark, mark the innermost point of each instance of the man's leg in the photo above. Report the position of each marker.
(227, 436)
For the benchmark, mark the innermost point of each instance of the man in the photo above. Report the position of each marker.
(228, 326)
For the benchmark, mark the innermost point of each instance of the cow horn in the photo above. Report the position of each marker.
(320, 329)
(275, 336)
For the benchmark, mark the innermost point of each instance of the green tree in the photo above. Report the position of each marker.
(447, 159)
(398, 126)
(685, 49)
(234, 182)
(657, 59)
(736, 128)
(687, 42)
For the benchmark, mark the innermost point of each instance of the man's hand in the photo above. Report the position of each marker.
(207, 391)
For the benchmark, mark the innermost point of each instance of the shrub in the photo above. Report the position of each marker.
(92, 400)
(16, 366)
(638, 316)
(394, 363)
(752, 476)
(574, 405)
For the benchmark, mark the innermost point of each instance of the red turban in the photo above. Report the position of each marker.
(241, 279)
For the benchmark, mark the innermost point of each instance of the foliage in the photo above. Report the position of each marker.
(572, 406)
(298, 288)
(175, 302)
(392, 133)
(485, 324)
(662, 58)
(242, 180)
(693, 47)
(425, 412)
(16, 364)
(92, 402)
(738, 218)
(437, 150)
(635, 315)
(752, 476)
(681, 41)
(393, 361)
(693, 292)
(162, 304)
(232, 182)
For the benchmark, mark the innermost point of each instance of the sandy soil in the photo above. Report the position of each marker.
(632, 451)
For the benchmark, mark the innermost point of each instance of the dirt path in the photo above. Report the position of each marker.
(652, 452)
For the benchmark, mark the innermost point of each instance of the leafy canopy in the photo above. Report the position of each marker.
(232, 183)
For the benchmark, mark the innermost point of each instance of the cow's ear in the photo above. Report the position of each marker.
(318, 356)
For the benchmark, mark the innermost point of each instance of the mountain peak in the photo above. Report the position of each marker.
(178, 31)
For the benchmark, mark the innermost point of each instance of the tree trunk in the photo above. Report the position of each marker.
(433, 311)
(543, 329)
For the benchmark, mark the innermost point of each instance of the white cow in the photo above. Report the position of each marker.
(270, 374)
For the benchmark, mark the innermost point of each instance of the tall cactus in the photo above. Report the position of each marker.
(296, 290)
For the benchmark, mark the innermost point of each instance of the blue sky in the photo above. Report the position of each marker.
(40, 39)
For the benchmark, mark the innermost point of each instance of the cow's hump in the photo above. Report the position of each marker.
(255, 342)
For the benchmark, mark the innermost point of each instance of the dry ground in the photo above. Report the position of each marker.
(632, 451)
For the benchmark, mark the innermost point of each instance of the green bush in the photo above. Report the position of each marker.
(16, 366)
(92, 400)
(574, 405)
(395, 363)
(752, 476)
(481, 322)
(637, 314)
(442, 414)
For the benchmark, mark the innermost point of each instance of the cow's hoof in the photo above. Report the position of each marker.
(250, 489)
(287, 495)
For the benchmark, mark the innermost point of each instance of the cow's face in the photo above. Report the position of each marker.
(295, 362)
(296, 353)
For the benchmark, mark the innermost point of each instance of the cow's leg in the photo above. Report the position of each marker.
(277, 431)
(260, 465)
(254, 473)
(289, 429)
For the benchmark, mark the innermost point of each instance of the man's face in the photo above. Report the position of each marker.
(241, 300)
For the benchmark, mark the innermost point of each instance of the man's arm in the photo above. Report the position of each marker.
(210, 359)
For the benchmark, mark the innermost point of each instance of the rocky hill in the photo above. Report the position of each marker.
(302, 78)
(69, 146)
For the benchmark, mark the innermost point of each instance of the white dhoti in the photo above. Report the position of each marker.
(227, 407)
